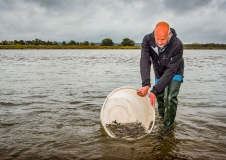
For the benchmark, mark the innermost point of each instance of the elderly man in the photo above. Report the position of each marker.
(165, 51)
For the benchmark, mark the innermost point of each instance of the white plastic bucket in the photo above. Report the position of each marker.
(125, 106)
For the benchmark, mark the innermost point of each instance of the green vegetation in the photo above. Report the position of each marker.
(127, 42)
(106, 43)
(205, 46)
(65, 47)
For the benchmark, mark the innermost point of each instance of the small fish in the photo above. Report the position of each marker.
(114, 122)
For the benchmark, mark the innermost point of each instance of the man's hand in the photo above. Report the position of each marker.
(143, 91)
(152, 99)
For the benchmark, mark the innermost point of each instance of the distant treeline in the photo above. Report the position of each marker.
(106, 43)
(205, 46)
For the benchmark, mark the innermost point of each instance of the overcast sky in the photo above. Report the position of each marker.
(201, 21)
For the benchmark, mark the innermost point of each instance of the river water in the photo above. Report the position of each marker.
(50, 102)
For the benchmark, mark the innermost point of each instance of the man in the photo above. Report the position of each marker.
(165, 51)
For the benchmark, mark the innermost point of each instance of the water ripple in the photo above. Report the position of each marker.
(51, 100)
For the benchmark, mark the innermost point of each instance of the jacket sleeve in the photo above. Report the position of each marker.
(170, 71)
(145, 63)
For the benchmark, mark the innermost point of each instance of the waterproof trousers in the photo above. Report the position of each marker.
(167, 103)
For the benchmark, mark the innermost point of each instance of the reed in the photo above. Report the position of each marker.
(65, 47)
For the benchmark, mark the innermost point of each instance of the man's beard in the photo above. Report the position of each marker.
(160, 46)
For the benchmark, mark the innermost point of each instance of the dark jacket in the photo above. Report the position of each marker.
(167, 64)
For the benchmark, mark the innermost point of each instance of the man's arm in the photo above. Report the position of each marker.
(145, 64)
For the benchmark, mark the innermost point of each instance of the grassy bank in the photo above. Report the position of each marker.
(95, 47)
(65, 47)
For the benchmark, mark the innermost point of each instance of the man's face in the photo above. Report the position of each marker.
(161, 37)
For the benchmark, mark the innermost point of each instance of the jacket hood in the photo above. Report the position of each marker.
(173, 31)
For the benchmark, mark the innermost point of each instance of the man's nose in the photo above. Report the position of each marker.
(159, 42)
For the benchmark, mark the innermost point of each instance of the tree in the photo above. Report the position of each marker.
(49, 43)
(44, 43)
(10, 42)
(21, 42)
(55, 43)
(92, 44)
(5, 42)
(28, 42)
(63, 43)
(15, 42)
(72, 42)
(107, 42)
(37, 41)
(127, 42)
(85, 43)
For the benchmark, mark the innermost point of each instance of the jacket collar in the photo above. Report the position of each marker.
(155, 46)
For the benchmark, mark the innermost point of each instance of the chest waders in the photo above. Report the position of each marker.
(167, 103)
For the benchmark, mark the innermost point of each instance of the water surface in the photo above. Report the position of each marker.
(50, 102)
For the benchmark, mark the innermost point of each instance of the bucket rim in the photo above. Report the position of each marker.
(102, 112)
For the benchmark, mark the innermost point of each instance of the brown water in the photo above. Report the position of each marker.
(50, 102)
(133, 131)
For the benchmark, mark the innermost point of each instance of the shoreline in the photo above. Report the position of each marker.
(30, 47)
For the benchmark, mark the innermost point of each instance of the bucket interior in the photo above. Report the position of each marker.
(126, 115)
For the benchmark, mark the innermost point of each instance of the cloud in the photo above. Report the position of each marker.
(222, 6)
(195, 21)
(183, 7)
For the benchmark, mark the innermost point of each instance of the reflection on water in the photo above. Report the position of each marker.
(50, 103)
